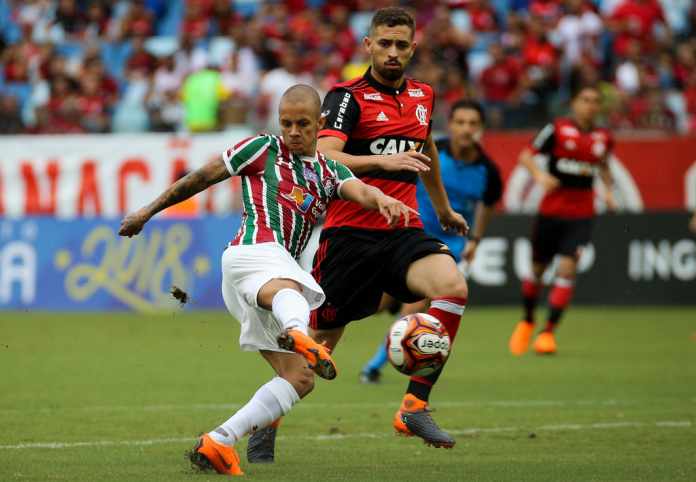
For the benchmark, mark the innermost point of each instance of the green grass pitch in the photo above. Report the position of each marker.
(121, 397)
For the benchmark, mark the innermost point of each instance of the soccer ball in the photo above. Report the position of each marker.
(418, 344)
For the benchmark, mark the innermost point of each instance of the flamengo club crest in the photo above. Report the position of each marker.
(422, 114)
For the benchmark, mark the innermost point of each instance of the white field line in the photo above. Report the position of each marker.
(361, 435)
(318, 405)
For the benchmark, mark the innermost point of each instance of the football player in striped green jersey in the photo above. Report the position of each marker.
(286, 186)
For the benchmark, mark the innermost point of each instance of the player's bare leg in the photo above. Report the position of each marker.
(434, 277)
(559, 298)
(531, 289)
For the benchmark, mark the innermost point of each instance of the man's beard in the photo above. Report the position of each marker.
(390, 74)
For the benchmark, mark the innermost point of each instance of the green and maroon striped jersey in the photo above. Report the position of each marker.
(283, 194)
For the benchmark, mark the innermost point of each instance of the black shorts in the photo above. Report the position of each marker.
(355, 266)
(552, 236)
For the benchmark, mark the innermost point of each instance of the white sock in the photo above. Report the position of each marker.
(291, 309)
(271, 401)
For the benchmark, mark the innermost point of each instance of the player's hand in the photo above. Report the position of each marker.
(405, 161)
(547, 181)
(469, 250)
(453, 221)
(133, 223)
(392, 210)
(610, 201)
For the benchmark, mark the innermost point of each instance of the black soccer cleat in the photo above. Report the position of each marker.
(413, 419)
(261, 447)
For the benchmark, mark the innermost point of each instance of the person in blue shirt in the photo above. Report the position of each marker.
(473, 185)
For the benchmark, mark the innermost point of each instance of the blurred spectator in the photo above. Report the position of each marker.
(577, 32)
(195, 24)
(636, 20)
(10, 116)
(68, 19)
(97, 21)
(222, 18)
(482, 16)
(138, 21)
(92, 105)
(140, 59)
(103, 56)
(628, 73)
(690, 98)
(501, 84)
(202, 93)
(277, 81)
(189, 57)
(62, 110)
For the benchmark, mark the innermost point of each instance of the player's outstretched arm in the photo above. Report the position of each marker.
(449, 219)
(189, 185)
(332, 147)
(372, 198)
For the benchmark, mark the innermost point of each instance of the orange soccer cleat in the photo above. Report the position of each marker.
(208, 454)
(413, 418)
(519, 341)
(317, 355)
(545, 343)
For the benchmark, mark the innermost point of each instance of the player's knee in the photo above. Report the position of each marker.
(453, 287)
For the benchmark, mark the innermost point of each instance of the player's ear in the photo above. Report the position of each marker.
(367, 43)
(322, 122)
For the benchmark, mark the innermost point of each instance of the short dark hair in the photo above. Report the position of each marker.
(581, 86)
(391, 17)
(469, 105)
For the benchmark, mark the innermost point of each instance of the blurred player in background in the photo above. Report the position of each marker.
(378, 124)
(577, 149)
(473, 185)
(286, 186)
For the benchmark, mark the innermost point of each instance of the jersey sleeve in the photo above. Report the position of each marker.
(247, 157)
(341, 174)
(544, 140)
(341, 112)
(494, 185)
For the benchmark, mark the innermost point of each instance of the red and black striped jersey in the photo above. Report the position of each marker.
(574, 157)
(375, 119)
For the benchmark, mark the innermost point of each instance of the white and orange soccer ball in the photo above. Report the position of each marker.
(418, 344)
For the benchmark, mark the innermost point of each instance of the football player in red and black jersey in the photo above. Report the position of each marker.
(379, 125)
(577, 150)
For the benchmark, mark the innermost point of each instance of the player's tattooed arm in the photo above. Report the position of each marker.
(449, 219)
(189, 185)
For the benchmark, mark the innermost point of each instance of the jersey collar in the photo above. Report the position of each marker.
(381, 87)
(480, 156)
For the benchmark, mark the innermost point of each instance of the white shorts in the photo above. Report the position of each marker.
(307, 257)
(245, 269)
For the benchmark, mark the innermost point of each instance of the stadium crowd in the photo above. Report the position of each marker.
(71, 66)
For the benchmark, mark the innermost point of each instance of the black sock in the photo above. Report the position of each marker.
(529, 306)
(420, 387)
(554, 318)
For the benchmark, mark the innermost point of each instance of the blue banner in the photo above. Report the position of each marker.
(48, 264)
